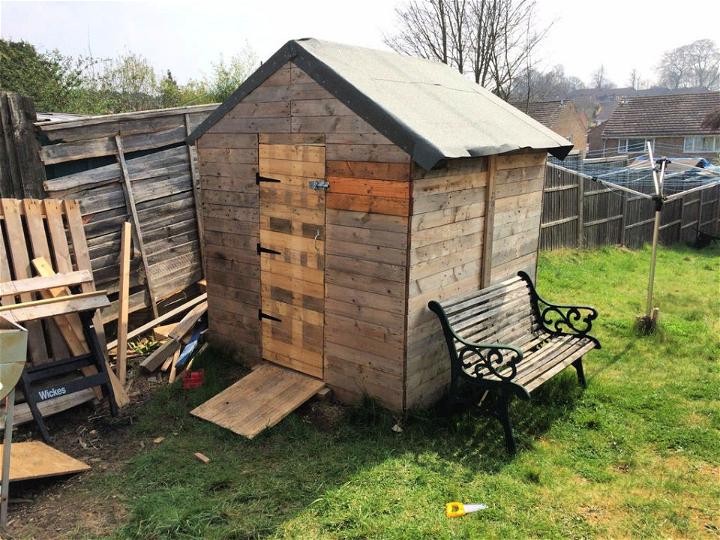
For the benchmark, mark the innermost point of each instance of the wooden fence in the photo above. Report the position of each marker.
(132, 167)
(124, 167)
(21, 172)
(578, 212)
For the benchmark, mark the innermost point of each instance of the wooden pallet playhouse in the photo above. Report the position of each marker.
(342, 189)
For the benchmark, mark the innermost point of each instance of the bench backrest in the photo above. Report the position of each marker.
(500, 313)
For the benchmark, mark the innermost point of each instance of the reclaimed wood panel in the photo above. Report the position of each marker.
(445, 257)
(259, 400)
(292, 221)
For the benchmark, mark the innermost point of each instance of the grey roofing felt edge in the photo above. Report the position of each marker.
(259, 76)
(422, 151)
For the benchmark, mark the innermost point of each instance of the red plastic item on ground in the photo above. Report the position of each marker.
(193, 379)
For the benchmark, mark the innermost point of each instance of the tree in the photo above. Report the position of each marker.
(48, 78)
(600, 80)
(493, 39)
(545, 86)
(226, 77)
(694, 65)
(170, 95)
(634, 81)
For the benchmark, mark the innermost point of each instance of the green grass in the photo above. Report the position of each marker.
(635, 455)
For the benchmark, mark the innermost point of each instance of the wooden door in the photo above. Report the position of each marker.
(292, 255)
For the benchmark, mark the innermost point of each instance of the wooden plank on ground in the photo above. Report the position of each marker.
(34, 459)
(259, 400)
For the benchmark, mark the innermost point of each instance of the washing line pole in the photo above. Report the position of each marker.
(658, 198)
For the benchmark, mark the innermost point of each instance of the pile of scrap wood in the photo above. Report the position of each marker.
(180, 342)
(176, 351)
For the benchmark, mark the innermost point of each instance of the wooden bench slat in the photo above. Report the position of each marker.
(458, 307)
(480, 311)
(547, 375)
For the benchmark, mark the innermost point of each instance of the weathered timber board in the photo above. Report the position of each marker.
(259, 400)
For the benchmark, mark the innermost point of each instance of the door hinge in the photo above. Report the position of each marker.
(262, 316)
(259, 179)
(319, 184)
(261, 249)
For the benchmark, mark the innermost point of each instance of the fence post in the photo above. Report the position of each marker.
(623, 220)
(581, 212)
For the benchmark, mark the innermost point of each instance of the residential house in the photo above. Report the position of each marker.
(562, 117)
(673, 124)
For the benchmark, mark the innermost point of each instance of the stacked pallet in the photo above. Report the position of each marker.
(132, 167)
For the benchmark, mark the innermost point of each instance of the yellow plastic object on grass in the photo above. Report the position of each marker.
(458, 509)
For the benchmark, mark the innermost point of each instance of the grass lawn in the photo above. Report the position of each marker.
(635, 455)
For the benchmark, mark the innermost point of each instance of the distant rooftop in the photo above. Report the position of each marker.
(545, 112)
(678, 114)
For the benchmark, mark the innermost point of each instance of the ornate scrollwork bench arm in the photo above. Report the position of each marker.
(473, 358)
(561, 319)
(498, 359)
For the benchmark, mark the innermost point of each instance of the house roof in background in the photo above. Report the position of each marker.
(428, 109)
(679, 114)
(546, 112)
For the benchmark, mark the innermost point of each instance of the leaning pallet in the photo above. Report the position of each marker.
(52, 230)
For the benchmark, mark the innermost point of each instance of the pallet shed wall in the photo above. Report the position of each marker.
(518, 208)
(367, 210)
(447, 244)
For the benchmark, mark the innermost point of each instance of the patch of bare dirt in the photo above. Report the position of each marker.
(64, 507)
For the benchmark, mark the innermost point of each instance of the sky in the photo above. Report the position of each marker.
(188, 36)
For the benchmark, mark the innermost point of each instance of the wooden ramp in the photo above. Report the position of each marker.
(31, 460)
(259, 400)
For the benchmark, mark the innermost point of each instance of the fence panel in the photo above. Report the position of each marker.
(580, 212)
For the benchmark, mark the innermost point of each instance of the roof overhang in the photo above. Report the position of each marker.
(423, 152)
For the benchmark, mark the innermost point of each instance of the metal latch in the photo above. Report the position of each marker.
(319, 184)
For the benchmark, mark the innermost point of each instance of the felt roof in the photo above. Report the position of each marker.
(426, 108)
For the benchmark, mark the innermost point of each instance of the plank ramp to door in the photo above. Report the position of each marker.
(259, 400)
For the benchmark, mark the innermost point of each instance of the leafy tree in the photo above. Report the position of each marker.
(170, 95)
(226, 77)
(89, 85)
(48, 78)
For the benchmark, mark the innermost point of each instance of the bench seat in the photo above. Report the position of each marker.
(506, 339)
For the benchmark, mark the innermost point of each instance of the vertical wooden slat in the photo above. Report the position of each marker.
(197, 192)
(11, 168)
(82, 258)
(40, 248)
(21, 267)
(32, 171)
(489, 222)
(136, 223)
(58, 236)
(121, 363)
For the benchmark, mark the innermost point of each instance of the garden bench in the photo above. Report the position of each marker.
(508, 341)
